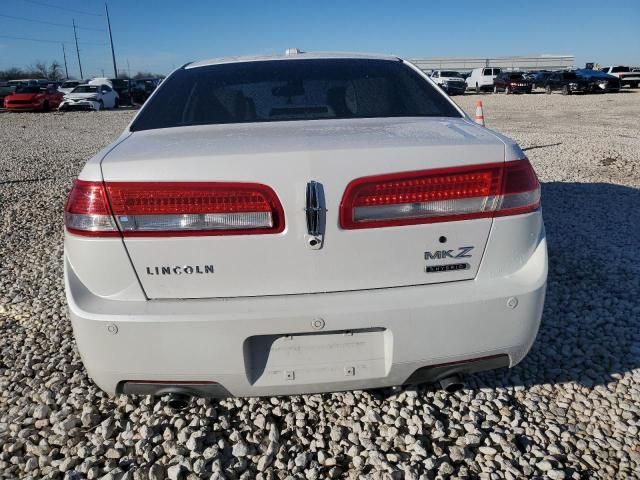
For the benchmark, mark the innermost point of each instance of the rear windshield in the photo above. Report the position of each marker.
(69, 84)
(278, 90)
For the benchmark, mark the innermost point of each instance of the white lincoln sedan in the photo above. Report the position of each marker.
(302, 223)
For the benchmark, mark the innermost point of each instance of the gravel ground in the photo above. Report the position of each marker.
(571, 409)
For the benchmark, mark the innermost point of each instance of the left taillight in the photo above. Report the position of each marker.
(173, 209)
(157, 209)
(87, 211)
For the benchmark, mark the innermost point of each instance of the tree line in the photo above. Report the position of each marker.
(54, 71)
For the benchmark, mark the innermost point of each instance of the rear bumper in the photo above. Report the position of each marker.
(521, 89)
(213, 341)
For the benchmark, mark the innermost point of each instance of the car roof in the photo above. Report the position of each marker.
(296, 56)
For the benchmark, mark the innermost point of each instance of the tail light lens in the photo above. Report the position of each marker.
(191, 208)
(440, 195)
(87, 211)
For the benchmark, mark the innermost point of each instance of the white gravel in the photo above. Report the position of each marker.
(570, 410)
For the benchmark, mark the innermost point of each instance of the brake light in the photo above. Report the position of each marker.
(440, 195)
(87, 211)
(174, 209)
(195, 208)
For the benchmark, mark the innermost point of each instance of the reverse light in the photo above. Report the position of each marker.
(440, 195)
(182, 209)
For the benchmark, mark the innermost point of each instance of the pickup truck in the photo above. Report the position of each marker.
(625, 74)
(451, 82)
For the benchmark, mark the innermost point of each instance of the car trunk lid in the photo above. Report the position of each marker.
(287, 156)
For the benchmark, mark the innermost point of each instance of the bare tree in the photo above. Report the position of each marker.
(40, 69)
(55, 72)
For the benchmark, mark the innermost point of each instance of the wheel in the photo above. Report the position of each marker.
(477, 88)
(547, 89)
(533, 86)
(507, 90)
(100, 105)
(495, 89)
(116, 103)
(634, 85)
(565, 90)
(45, 106)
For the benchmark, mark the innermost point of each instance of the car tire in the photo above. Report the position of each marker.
(495, 89)
(547, 89)
(116, 103)
(477, 88)
(45, 106)
(565, 90)
(507, 90)
(634, 85)
(100, 105)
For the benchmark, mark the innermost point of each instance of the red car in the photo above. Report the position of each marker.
(33, 98)
(511, 82)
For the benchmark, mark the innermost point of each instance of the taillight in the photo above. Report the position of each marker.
(194, 208)
(440, 195)
(189, 208)
(87, 211)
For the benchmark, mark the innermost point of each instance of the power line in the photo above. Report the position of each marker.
(44, 4)
(48, 41)
(49, 23)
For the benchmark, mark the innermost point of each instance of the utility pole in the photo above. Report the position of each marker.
(75, 34)
(64, 55)
(113, 55)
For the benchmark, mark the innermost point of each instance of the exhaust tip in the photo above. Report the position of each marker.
(452, 384)
(178, 401)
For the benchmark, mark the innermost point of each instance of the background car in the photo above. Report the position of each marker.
(123, 88)
(482, 78)
(33, 98)
(539, 78)
(511, 82)
(30, 82)
(450, 81)
(68, 86)
(567, 82)
(599, 82)
(625, 74)
(90, 97)
(5, 90)
(142, 88)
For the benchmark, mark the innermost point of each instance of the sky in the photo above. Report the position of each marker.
(161, 35)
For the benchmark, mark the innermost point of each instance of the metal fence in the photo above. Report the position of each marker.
(542, 62)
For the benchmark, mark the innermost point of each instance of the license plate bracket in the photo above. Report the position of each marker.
(317, 357)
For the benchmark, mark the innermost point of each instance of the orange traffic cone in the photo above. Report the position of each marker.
(479, 113)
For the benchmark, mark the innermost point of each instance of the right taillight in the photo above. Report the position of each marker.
(521, 189)
(164, 209)
(440, 195)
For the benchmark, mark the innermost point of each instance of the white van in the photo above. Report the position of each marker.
(482, 78)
